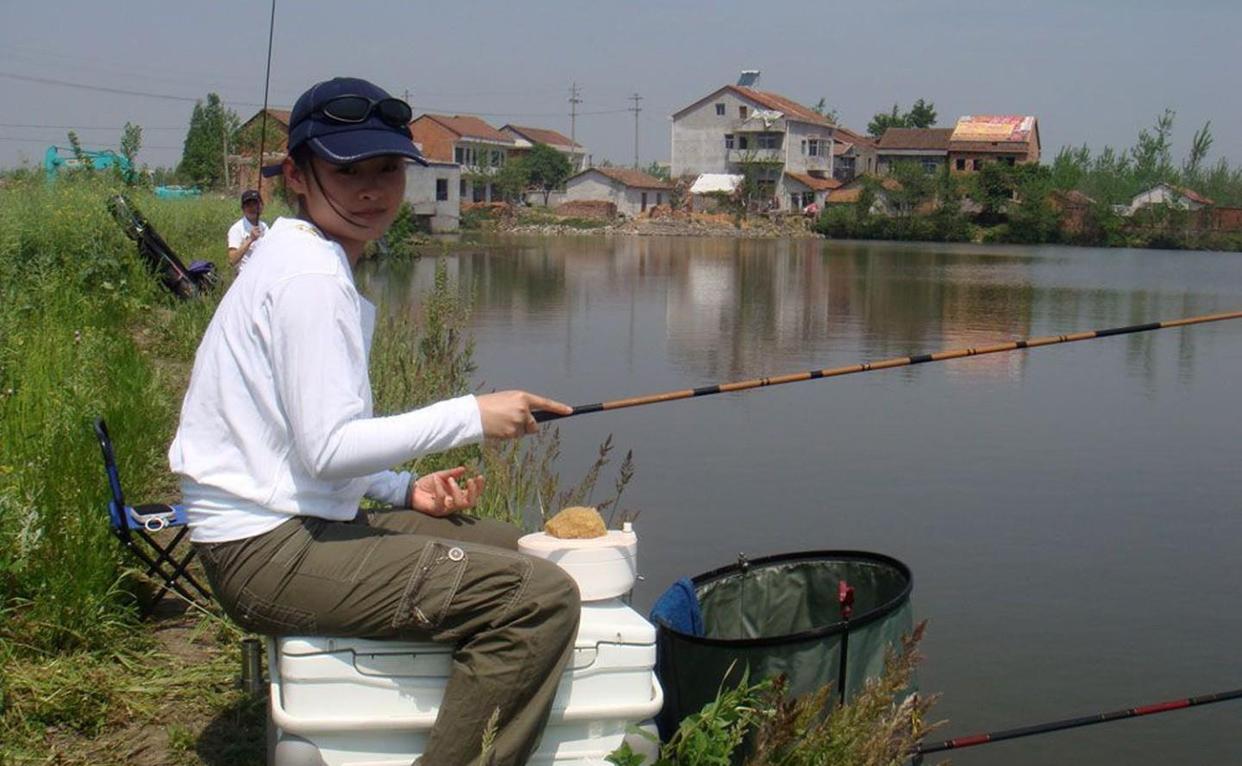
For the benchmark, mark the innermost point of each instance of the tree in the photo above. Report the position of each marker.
(213, 128)
(921, 115)
(512, 180)
(75, 145)
(1152, 155)
(131, 142)
(1199, 146)
(829, 113)
(657, 170)
(882, 122)
(548, 169)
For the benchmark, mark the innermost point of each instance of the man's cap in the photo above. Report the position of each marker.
(250, 195)
(342, 143)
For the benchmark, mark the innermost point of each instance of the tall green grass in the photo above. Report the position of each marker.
(85, 332)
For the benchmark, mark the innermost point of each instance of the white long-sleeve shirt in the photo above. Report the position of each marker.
(277, 420)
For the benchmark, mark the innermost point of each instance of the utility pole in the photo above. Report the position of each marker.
(224, 146)
(406, 97)
(635, 109)
(573, 112)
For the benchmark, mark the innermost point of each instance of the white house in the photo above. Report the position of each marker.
(739, 128)
(434, 194)
(632, 191)
(1167, 194)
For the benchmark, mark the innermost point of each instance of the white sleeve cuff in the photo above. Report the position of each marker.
(391, 487)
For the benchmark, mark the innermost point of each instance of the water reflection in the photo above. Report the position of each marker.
(1045, 500)
(736, 308)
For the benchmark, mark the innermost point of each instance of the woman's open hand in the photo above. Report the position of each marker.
(442, 494)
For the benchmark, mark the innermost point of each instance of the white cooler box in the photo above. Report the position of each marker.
(358, 702)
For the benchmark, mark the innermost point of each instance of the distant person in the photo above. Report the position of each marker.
(247, 230)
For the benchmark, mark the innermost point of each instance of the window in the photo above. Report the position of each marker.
(769, 141)
(441, 190)
(976, 164)
(794, 201)
(659, 198)
(479, 191)
(644, 201)
(461, 189)
(497, 158)
(728, 140)
(720, 110)
(742, 112)
(1010, 161)
(813, 145)
(459, 155)
(804, 146)
(930, 165)
(961, 164)
(743, 142)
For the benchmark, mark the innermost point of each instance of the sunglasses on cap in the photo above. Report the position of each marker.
(355, 109)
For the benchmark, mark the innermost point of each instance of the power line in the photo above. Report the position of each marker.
(105, 89)
(88, 127)
(46, 142)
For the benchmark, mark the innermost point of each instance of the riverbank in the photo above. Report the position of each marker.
(1042, 222)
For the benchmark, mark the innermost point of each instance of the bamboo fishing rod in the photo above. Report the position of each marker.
(886, 364)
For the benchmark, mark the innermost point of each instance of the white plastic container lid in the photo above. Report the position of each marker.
(604, 567)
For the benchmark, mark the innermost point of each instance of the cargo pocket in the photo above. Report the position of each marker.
(431, 587)
(269, 618)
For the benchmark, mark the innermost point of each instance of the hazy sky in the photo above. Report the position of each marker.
(1092, 71)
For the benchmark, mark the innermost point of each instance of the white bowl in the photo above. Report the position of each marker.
(604, 567)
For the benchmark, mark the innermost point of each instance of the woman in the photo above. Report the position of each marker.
(277, 445)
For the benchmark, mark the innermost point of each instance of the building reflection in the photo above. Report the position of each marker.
(738, 308)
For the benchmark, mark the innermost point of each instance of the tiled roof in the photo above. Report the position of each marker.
(791, 109)
(541, 136)
(1192, 195)
(813, 183)
(634, 178)
(988, 128)
(467, 126)
(930, 139)
(279, 115)
(848, 136)
(1072, 197)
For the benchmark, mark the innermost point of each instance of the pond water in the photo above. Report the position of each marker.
(1071, 514)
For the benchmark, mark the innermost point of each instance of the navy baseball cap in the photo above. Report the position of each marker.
(250, 195)
(368, 132)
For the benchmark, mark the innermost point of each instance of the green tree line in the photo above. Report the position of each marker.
(1026, 203)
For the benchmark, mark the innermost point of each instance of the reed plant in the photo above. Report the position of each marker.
(761, 724)
(420, 358)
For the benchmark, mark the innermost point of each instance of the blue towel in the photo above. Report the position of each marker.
(678, 608)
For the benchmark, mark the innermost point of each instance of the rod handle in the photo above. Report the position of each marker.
(543, 416)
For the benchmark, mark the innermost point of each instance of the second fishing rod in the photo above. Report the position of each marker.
(884, 364)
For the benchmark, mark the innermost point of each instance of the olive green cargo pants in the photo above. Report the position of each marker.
(403, 574)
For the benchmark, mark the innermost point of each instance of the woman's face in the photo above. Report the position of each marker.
(352, 204)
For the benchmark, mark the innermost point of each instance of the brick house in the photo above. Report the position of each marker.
(477, 147)
(927, 146)
(524, 138)
(979, 139)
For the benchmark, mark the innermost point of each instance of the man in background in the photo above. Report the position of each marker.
(247, 230)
